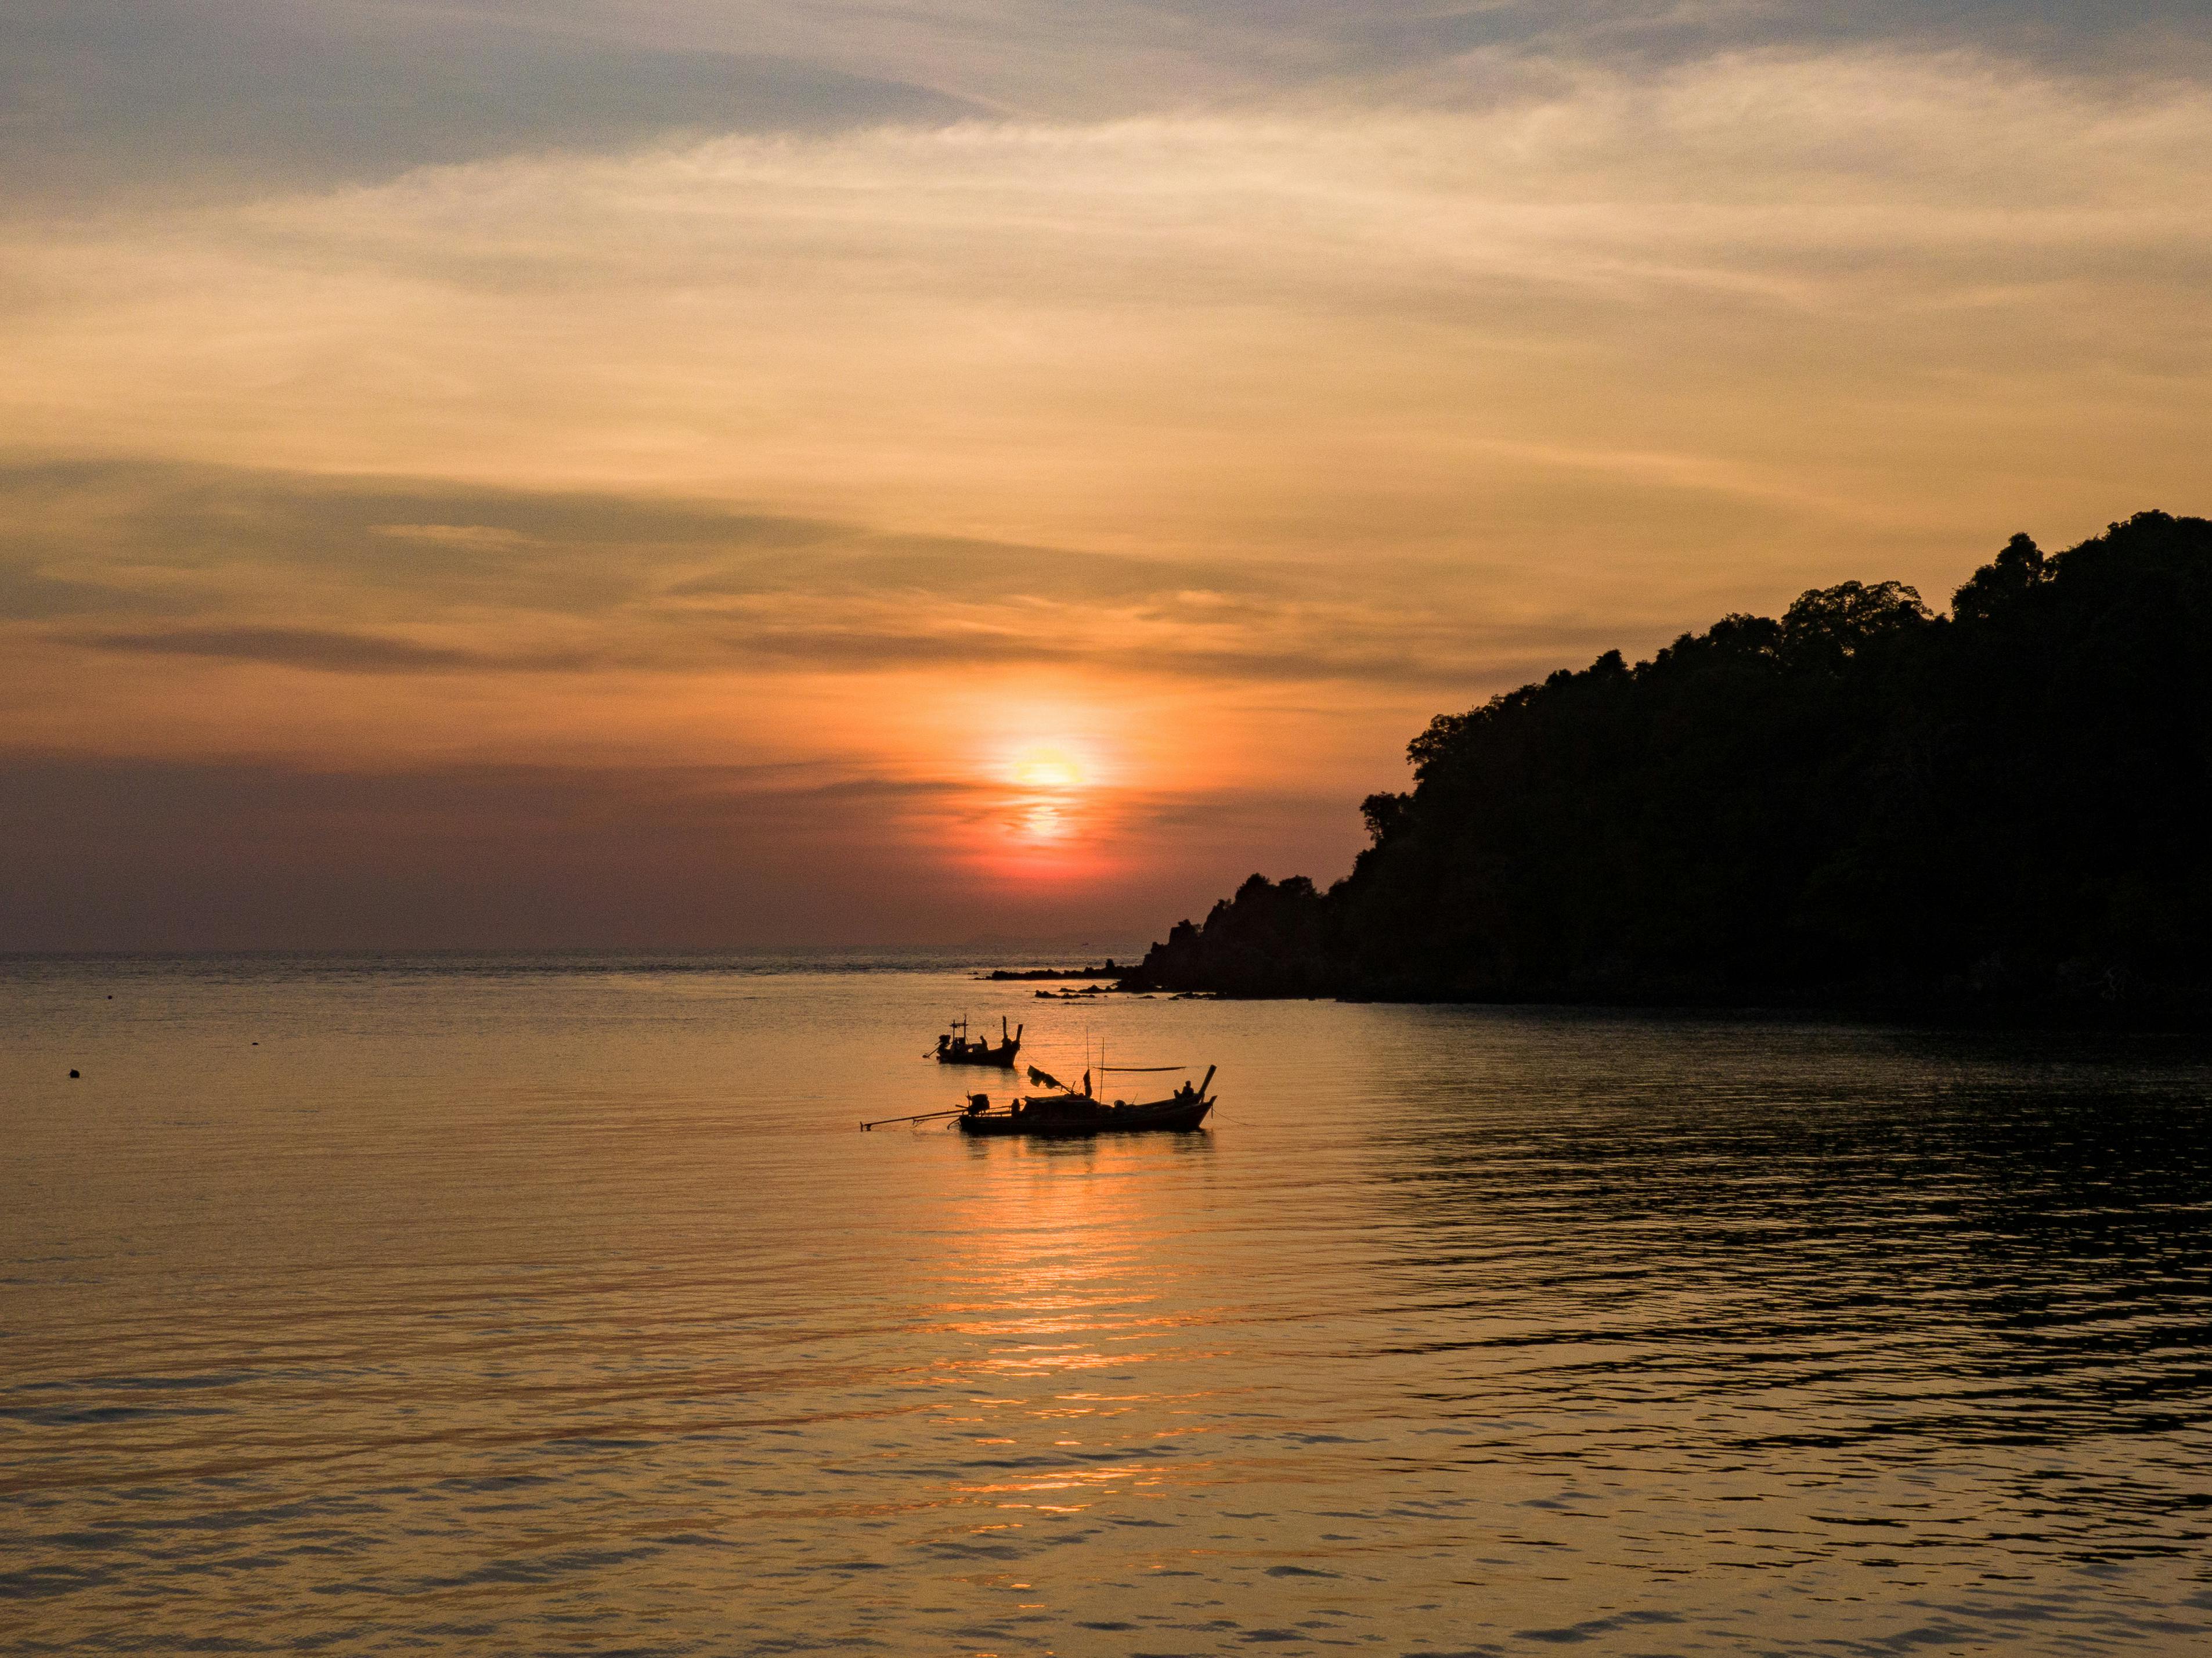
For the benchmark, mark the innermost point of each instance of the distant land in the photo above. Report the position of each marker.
(1107, 969)
(1864, 802)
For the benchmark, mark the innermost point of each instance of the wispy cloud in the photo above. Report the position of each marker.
(208, 97)
(326, 648)
(1296, 328)
(297, 572)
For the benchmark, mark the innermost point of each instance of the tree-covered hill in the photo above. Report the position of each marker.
(1860, 800)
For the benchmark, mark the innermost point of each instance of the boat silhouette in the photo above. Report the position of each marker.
(955, 1048)
(1066, 1114)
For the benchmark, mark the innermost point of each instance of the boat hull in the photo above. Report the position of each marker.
(999, 1059)
(1174, 1116)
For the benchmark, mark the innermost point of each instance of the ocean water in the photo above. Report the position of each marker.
(559, 1306)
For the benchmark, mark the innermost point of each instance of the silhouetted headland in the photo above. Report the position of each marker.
(1862, 803)
(1106, 969)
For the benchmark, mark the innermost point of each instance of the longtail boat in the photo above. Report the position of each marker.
(954, 1048)
(1068, 1115)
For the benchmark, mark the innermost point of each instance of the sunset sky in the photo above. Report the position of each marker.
(701, 473)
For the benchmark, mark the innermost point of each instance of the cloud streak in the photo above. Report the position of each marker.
(572, 583)
(1158, 331)
(323, 649)
(209, 97)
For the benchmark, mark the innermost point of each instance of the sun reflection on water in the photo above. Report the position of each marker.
(1068, 1296)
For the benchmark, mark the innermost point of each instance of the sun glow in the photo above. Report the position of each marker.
(1050, 789)
(1047, 768)
(1049, 804)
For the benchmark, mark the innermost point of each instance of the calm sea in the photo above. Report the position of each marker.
(558, 1306)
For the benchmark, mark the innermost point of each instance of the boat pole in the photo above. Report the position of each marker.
(924, 1117)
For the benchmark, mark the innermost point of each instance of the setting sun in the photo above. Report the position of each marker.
(1047, 768)
(1051, 822)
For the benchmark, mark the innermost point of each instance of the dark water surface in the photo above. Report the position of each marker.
(559, 1308)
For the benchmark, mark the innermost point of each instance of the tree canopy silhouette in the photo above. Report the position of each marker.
(1863, 800)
